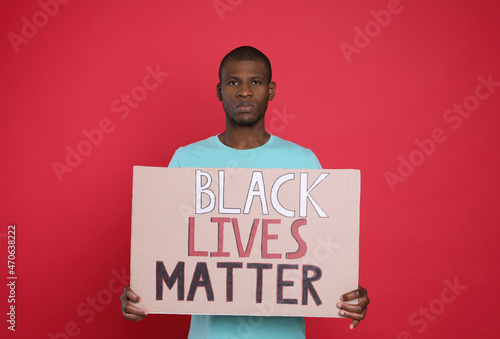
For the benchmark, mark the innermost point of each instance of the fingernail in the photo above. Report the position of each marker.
(339, 305)
(351, 327)
(342, 313)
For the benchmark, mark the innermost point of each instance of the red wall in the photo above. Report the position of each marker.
(387, 103)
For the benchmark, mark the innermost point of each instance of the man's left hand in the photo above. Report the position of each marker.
(357, 312)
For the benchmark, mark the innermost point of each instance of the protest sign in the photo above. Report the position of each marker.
(244, 241)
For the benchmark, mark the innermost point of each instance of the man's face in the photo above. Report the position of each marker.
(245, 91)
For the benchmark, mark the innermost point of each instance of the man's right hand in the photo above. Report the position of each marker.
(129, 310)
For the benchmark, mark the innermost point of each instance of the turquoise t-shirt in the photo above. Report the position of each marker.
(276, 153)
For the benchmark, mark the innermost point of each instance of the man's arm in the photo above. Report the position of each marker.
(129, 310)
(355, 311)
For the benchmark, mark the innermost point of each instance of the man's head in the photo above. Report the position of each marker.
(246, 53)
(245, 87)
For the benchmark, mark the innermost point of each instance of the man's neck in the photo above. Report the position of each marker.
(244, 138)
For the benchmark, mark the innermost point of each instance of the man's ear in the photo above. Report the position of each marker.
(272, 90)
(219, 95)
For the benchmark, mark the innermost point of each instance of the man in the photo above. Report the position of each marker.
(245, 88)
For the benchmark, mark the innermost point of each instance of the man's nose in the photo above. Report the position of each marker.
(244, 91)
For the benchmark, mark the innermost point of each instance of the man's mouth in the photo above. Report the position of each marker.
(244, 104)
(244, 107)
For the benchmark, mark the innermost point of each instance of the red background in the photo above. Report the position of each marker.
(440, 223)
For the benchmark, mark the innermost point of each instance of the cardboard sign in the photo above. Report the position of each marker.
(244, 241)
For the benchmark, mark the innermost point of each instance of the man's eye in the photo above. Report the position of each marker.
(256, 82)
(232, 83)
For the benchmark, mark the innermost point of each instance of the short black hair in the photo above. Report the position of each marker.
(246, 53)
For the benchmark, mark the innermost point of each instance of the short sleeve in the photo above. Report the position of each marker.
(314, 162)
(174, 162)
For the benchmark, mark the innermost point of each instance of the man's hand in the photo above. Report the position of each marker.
(355, 311)
(129, 310)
